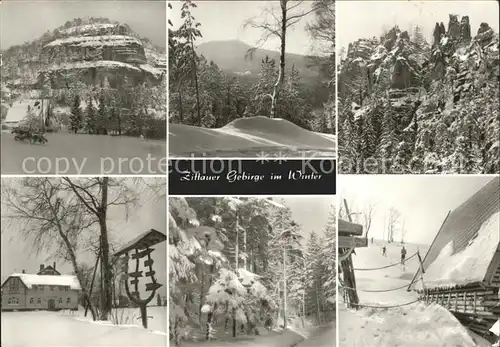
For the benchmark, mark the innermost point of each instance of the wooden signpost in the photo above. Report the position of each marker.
(141, 246)
(349, 238)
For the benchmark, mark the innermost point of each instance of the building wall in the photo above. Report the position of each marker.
(38, 298)
(13, 289)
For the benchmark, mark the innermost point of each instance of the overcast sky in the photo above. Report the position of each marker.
(365, 19)
(150, 214)
(25, 21)
(224, 20)
(423, 201)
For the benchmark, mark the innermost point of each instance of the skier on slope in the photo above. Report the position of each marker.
(403, 255)
(383, 251)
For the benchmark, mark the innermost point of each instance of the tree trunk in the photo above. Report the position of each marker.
(234, 322)
(284, 288)
(181, 111)
(284, 23)
(74, 263)
(195, 78)
(317, 304)
(209, 320)
(236, 250)
(105, 261)
(202, 289)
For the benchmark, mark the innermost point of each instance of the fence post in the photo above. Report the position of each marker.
(421, 269)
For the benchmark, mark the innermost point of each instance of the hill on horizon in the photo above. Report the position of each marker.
(231, 57)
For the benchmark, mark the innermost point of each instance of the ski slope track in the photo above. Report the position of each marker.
(248, 137)
(415, 325)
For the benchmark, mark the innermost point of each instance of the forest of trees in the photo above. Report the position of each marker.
(239, 264)
(202, 94)
(409, 106)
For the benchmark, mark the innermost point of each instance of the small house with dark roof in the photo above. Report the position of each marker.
(461, 270)
(46, 290)
(48, 270)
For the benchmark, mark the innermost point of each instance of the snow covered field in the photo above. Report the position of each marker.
(415, 325)
(88, 150)
(43, 328)
(248, 136)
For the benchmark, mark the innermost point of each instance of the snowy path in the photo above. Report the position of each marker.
(53, 329)
(388, 278)
(321, 337)
(415, 325)
(247, 137)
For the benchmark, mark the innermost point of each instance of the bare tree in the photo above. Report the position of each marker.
(51, 219)
(392, 223)
(367, 218)
(403, 233)
(94, 194)
(276, 25)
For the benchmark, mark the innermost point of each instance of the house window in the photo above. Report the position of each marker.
(32, 300)
(61, 288)
(60, 300)
(68, 300)
(13, 301)
(52, 288)
(38, 301)
(14, 285)
(35, 287)
(41, 288)
(66, 288)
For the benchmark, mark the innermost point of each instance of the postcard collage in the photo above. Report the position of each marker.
(264, 173)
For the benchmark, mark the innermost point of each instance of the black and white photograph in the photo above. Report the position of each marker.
(252, 271)
(84, 262)
(83, 87)
(418, 87)
(251, 78)
(419, 261)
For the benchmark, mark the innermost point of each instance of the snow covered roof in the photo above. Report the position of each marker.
(19, 110)
(48, 280)
(144, 240)
(464, 249)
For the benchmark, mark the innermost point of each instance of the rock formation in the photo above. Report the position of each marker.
(484, 34)
(88, 51)
(453, 27)
(465, 32)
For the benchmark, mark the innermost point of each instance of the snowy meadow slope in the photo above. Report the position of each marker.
(247, 136)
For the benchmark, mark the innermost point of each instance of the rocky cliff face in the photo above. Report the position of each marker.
(428, 91)
(85, 50)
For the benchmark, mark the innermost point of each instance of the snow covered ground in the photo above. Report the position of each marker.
(43, 328)
(89, 150)
(415, 325)
(324, 336)
(272, 339)
(247, 137)
(388, 278)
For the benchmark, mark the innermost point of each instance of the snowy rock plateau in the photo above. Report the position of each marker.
(87, 50)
